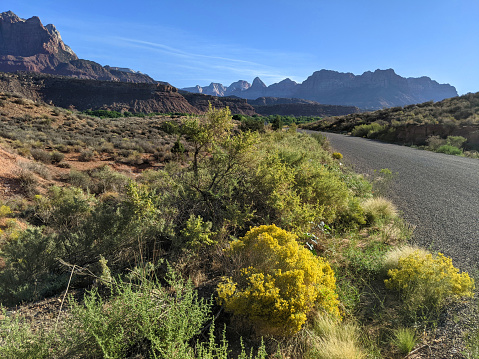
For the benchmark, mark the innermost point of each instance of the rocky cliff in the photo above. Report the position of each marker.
(371, 90)
(28, 45)
(84, 94)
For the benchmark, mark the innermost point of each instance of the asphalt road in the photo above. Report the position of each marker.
(437, 193)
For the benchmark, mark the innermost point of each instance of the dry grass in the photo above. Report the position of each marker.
(379, 209)
(391, 259)
(334, 340)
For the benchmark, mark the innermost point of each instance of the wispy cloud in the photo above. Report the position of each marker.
(178, 52)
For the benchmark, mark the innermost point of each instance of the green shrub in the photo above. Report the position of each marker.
(57, 157)
(279, 283)
(369, 131)
(251, 124)
(197, 233)
(337, 155)
(456, 141)
(178, 147)
(170, 127)
(104, 179)
(142, 317)
(28, 181)
(450, 150)
(79, 179)
(405, 340)
(29, 259)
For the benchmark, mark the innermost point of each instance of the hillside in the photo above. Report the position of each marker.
(369, 91)
(414, 124)
(84, 94)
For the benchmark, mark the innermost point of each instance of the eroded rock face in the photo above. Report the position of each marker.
(28, 45)
(27, 38)
(83, 94)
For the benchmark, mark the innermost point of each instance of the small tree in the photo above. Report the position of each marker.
(277, 123)
(214, 127)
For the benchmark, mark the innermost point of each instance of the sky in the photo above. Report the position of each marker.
(196, 42)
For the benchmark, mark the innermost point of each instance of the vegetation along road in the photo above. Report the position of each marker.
(437, 193)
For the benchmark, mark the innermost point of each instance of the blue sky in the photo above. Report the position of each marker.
(195, 42)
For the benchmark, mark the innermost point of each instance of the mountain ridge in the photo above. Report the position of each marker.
(371, 90)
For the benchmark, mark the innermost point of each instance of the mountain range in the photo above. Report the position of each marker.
(371, 90)
(30, 46)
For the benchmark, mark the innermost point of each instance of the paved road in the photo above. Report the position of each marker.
(437, 193)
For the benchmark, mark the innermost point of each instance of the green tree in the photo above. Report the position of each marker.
(214, 127)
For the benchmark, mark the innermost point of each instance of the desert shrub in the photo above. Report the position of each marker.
(105, 179)
(337, 155)
(41, 155)
(450, 150)
(64, 208)
(334, 340)
(142, 317)
(426, 281)
(19, 339)
(321, 139)
(57, 157)
(377, 209)
(197, 233)
(170, 127)
(370, 131)
(434, 142)
(279, 282)
(28, 182)
(38, 168)
(79, 179)
(86, 156)
(296, 183)
(29, 259)
(456, 141)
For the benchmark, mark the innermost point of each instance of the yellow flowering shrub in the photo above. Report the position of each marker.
(279, 282)
(425, 281)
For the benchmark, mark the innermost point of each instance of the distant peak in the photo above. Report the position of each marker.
(9, 15)
(258, 83)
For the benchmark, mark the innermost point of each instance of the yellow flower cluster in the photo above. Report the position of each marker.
(279, 283)
(434, 277)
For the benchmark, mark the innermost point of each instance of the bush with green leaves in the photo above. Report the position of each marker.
(371, 130)
(31, 269)
(449, 150)
(141, 317)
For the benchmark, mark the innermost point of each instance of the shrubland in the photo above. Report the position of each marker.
(447, 126)
(246, 233)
